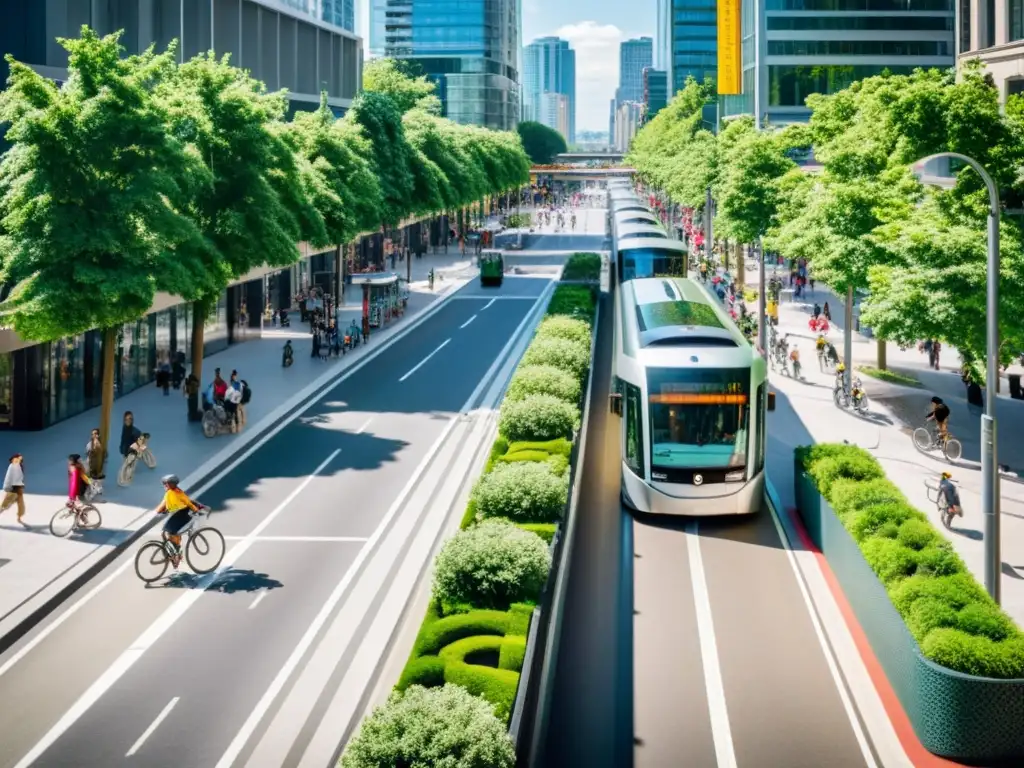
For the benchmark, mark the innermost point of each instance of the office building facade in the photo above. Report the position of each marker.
(993, 33)
(628, 117)
(655, 91)
(469, 48)
(549, 66)
(687, 41)
(555, 112)
(634, 57)
(798, 47)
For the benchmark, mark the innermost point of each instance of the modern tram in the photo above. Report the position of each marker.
(624, 232)
(691, 392)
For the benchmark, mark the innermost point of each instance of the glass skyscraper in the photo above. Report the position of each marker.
(470, 48)
(634, 56)
(549, 66)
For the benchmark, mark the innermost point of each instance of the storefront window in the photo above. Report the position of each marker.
(215, 332)
(183, 330)
(6, 388)
(162, 336)
(66, 379)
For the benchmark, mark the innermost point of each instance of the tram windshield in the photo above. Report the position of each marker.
(699, 418)
(651, 262)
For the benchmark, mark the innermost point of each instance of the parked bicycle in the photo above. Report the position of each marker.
(940, 501)
(203, 550)
(74, 515)
(928, 439)
(139, 450)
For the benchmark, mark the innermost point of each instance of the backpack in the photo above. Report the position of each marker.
(246, 392)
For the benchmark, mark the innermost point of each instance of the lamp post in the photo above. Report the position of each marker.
(989, 464)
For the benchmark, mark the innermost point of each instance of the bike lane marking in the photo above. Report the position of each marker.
(153, 633)
(468, 322)
(152, 727)
(423, 362)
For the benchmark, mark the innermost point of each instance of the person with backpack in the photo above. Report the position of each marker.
(241, 398)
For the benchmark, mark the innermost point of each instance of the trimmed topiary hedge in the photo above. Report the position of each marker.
(537, 417)
(523, 491)
(560, 353)
(582, 266)
(543, 380)
(952, 618)
(491, 565)
(446, 727)
(568, 328)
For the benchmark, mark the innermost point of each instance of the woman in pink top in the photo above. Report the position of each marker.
(78, 480)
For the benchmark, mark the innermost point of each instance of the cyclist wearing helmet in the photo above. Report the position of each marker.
(180, 508)
(948, 491)
(939, 413)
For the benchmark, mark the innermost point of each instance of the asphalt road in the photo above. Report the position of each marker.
(205, 671)
(655, 673)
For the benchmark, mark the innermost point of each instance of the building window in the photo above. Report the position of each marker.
(789, 86)
(1016, 13)
(866, 23)
(858, 47)
(859, 5)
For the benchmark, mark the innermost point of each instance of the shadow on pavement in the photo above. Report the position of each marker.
(232, 581)
(785, 433)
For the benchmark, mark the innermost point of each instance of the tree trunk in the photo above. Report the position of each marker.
(848, 337)
(198, 334)
(725, 255)
(881, 354)
(741, 268)
(107, 396)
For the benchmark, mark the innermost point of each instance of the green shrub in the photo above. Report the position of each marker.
(491, 565)
(537, 417)
(559, 465)
(444, 727)
(513, 651)
(522, 492)
(557, 446)
(497, 686)
(463, 650)
(954, 621)
(560, 353)
(497, 451)
(544, 380)
(427, 671)
(582, 266)
(569, 328)
(470, 515)
(545, 530)
(574, 301)
(435, 635)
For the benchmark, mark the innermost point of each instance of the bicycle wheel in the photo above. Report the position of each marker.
(149, 458)
(205, 550)
(90, 517)
(209, 423)
(923, 439)
(151, 562)
(862, 404)
(944, 513)
(62, 523)
(839, 398)
(127, 471)
(952, 449)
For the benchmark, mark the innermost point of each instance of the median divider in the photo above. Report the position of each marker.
(472, 679)
(954, 659)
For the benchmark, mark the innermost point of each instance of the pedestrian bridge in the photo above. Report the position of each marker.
(584, 157)
(570, 173)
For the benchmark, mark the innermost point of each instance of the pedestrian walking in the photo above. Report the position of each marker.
(129, 433)
(163, 375)
(14, 487)
(191, 392)
(244, 394)
(96, 455)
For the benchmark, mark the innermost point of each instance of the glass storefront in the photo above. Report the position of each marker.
(789, 86)
(6, 388)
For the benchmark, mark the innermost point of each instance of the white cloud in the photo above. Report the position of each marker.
(597, 70)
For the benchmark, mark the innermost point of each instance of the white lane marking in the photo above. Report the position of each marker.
(721, 731)
(164, 622)
(844, 697)
(250, 725)
(468, 322)
(489, 303)
(259, 599)
(311, 539)
(495, 298)
(422, 362)
(152, 727)
(365, 425)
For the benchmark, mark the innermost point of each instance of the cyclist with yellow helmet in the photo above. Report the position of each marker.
(948, 491)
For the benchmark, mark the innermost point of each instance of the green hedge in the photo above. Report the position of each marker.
(538, 417)
(955, 622)
(573, 301)
(561, 353)
(582, 266)
(543, 380)
(568, 328)
(525, 492)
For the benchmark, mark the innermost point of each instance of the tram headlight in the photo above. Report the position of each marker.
(735, 477)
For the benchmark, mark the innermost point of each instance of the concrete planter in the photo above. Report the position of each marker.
(974, 720)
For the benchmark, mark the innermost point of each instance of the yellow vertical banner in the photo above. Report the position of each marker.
(730, 60)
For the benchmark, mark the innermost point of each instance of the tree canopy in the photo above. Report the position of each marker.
(541, 143)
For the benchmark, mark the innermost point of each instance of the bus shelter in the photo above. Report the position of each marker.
(384, 298)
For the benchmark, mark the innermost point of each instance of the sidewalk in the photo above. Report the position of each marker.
(805, 413)
(34, 565)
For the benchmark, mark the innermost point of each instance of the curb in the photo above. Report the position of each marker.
(283, 414)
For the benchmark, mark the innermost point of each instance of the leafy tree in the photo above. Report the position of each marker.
(94, 191)
(407, 88)
(541, 143)
(258, 207)
(381, 121)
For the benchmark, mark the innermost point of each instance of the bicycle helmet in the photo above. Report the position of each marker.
(840, 368)
(946, 475)
(171, 480)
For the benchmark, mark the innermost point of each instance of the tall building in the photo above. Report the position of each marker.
(994, 34)
(655, 91)
(687, 41)
(634, 55)
(549, 66)
(627, 122)
(470, 48)
(555, 112)
(613, 108)
(800, 47)
(284, 43)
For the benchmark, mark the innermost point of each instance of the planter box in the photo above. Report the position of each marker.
(974, 720)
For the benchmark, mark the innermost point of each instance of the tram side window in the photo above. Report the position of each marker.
(761, 424)
(634, 430)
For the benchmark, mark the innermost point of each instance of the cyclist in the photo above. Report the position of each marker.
(78, 480)
(948, 491)
(840, 376)
(180, 508)
(820, 346)
(939, 413)
(795, 357)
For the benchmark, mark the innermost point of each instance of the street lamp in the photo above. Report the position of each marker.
(989, 465)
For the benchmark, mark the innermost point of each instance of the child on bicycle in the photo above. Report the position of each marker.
(180, 508)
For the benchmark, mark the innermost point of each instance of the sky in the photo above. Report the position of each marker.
(594, 29)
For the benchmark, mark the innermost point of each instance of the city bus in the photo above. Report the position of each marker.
(692, 395)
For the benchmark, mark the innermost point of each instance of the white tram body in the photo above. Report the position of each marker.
(692, 394)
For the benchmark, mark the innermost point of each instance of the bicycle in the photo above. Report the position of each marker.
(152, 559)
(139, 450)
(940, 502)
(72, 516)
(926, 439)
